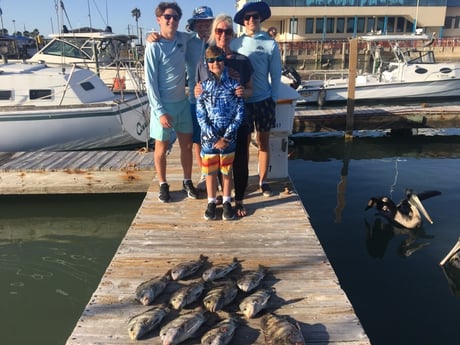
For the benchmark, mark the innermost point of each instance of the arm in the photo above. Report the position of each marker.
(151, 70)
(275, 71)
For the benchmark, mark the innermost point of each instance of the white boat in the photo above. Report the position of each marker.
(57, 108)
(114, 57)
(403, 68)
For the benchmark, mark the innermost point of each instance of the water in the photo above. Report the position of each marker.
(392, 276)
(53, 252)
(54, 249)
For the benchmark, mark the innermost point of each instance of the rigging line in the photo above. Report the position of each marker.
(65, 12)
(100, 14)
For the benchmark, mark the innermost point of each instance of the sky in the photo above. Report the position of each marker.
(42, 14)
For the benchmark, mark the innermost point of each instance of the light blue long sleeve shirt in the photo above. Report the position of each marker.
(264, 54)
(164, 67)
(193, 55)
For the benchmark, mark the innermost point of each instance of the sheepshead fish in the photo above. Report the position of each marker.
(220, 334)
(183, 327)
(249, 280)
(141, 324)
(278, 330)
(188, 268)
(147, 291)
(219, 296)
(220, 271)
(186, 295)
(255, 302)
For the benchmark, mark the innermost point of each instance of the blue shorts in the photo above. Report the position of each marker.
(182, 121)
(196, 138)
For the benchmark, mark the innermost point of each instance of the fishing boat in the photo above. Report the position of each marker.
(403, 67)
(114, 57)
(59, 108)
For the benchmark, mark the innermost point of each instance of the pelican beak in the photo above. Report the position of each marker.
(415, 201)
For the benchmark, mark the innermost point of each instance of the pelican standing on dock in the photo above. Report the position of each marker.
(408, 213)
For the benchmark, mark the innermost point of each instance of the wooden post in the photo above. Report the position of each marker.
(353, 62)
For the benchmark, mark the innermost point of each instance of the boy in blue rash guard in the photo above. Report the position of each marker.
(264, 54)
(220, 112)
(164, 65)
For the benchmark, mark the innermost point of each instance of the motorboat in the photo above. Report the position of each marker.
(403, 67)
(66, 108)
(114, 57)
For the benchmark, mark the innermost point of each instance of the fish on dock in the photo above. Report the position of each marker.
(249, 280)
(147, 291)
(278, 330)
(183, 327)
(143, 323)
(187, 294)
(220, 271)
(186, 269)
(219, 296)
(254, 303)
(220, 334)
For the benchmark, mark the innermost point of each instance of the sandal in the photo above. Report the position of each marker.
(240, 210)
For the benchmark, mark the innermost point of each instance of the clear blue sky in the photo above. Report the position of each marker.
(41, 14)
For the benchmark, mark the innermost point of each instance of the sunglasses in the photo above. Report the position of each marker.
(228, 32)
(175, 17)
(219, 58)
(254, 16)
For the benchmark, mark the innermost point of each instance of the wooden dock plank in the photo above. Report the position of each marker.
(75, 172)
(276, 234)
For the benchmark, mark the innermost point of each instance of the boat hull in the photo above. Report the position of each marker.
(88, 126)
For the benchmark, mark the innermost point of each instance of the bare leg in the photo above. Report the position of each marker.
(264, 154)
(186, 157)
(227, 185)
(197, 151)
(211, 185)
(159, 156)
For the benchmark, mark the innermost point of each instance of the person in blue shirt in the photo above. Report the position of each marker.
(220, 112)
(264, 54)
(164, 65)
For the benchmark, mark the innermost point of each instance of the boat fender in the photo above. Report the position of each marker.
(321, 97)
(119, 84)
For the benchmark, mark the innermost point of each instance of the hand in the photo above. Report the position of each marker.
(198, 89)
(221, 144)
(166, 121)
(153, 37)
(239, 91)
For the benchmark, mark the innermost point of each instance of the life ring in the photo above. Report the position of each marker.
(321, 97)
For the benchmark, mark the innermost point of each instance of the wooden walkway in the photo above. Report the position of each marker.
(276, 234)
(375, 118)
(75, 172)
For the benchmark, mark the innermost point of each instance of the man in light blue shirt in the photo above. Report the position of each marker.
(164, 65)
(264, 54)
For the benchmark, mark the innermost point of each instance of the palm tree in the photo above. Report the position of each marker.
(136, 13)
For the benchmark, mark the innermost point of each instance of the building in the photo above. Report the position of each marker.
(341, 19)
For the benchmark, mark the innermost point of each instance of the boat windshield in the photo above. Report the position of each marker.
(69, 48)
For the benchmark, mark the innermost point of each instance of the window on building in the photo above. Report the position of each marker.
(330, 25)
(361, 25)
(380, 24)
(457, 22)
(350, 25)
(448, 22)
(370, 24)
(400, 24)
(309, 24)
(319, 25)
(391, 24)
(340, 28)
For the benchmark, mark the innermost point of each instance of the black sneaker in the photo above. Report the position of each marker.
(163, 194)
(210, 213)
(228, 212)
(266, 190)
(190, 189)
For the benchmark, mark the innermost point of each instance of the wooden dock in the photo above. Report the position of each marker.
(75, 172)
(276, 233)
(395, 117)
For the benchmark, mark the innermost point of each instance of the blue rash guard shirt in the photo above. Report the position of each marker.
(264, 54)
(220, 112)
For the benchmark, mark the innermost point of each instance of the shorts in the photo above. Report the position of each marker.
(182, 121)
(261, 115)
(196, 137)
(212, 163)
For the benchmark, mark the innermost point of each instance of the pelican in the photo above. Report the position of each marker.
(408, 213)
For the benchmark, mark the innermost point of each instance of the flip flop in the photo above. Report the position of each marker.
(240, 210)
